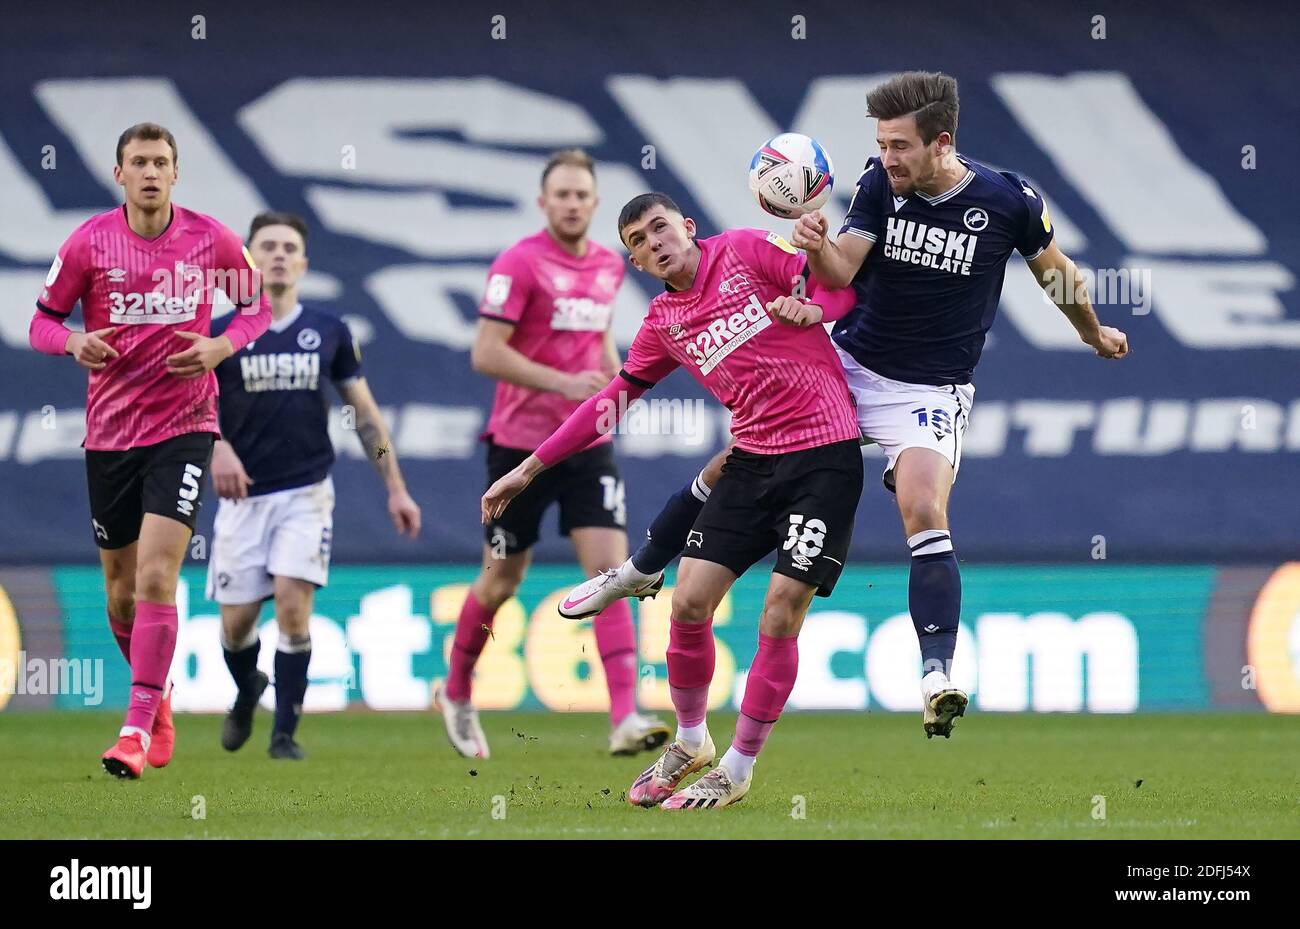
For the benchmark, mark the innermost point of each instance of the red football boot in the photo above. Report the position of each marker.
(126, 758)
(162, 738)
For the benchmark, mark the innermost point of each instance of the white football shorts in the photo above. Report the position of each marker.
(287, 533)
(897, 415)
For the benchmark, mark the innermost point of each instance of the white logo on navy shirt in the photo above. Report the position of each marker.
(308, 340)
(975, 219)
(930, 246)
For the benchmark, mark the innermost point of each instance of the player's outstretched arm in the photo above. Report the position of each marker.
(833, 262)
(1065, 286)
(596, 416)
(375, 439)
(493, 356)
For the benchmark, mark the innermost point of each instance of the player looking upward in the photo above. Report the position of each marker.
(145, 274)
(925, 245)
(791, 482)
(271, 469)
(544, 334)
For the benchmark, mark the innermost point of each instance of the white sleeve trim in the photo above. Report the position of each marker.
(861, 233)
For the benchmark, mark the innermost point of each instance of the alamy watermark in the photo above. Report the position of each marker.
(686, 418)
(83, 677)
(1106, 286)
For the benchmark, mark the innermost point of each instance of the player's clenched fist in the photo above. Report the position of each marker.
(810, 232)
(793, 312)
(1110, 343)
(90, 348)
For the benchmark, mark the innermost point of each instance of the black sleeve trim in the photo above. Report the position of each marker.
(633, 379)
(508, 322)
(55, 313)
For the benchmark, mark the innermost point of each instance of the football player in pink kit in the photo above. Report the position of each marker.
(145, 274)
(544, 335)
(791, 482)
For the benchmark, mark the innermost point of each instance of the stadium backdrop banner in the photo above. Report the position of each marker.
(1097, 639)
(412, 139)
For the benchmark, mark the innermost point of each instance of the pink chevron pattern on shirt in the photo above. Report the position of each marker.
(784, 385)
(150, 289)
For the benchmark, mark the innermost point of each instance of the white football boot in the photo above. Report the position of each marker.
(637, 733)
(941, 705)
(463, 729)
(592, 596)
(711, 792)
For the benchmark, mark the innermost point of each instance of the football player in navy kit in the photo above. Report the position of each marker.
(271, 470)
(925, 243)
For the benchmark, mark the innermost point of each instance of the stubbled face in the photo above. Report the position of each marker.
(660, 242)
(909, 162)
(147, 173)
(568, 199)
(280, 255)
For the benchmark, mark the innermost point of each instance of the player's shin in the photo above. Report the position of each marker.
(153, 644)
(768, 686)
(669, 530)
(473, 628)
(616, 643)
(241, 656)
(691, 658)
(292, 657)
(934, 598)
(122, 635)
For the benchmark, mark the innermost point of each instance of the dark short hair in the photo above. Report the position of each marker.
(272, 218)
(928, 96)
(642, 204)
(148, 132)
(574, 158)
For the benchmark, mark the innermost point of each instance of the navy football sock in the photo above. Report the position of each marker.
(241, 657)
(934, 598)
(668, 531)
(291, 659)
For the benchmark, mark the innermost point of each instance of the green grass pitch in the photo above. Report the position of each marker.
(861, 775)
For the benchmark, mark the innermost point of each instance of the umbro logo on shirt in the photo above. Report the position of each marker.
(117, 275)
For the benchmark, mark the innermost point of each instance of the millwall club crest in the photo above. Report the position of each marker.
(309, 340)
(733, 284)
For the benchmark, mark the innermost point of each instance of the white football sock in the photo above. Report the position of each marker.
(145, 738)
(935, 680)
(738, 765)
(692, 736)
(629, 575)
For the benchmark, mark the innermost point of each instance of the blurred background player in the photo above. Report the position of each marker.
(145, 274)
(791, 483)
(544, 334)
(271, 470)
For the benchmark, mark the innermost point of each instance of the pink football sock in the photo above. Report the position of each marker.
(473, 628)
(153, 644)
(691, 657)
(121, 632)
(771, 678)
(616, 643)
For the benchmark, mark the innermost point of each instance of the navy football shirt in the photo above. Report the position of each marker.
(929, 288)
(274, 404)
